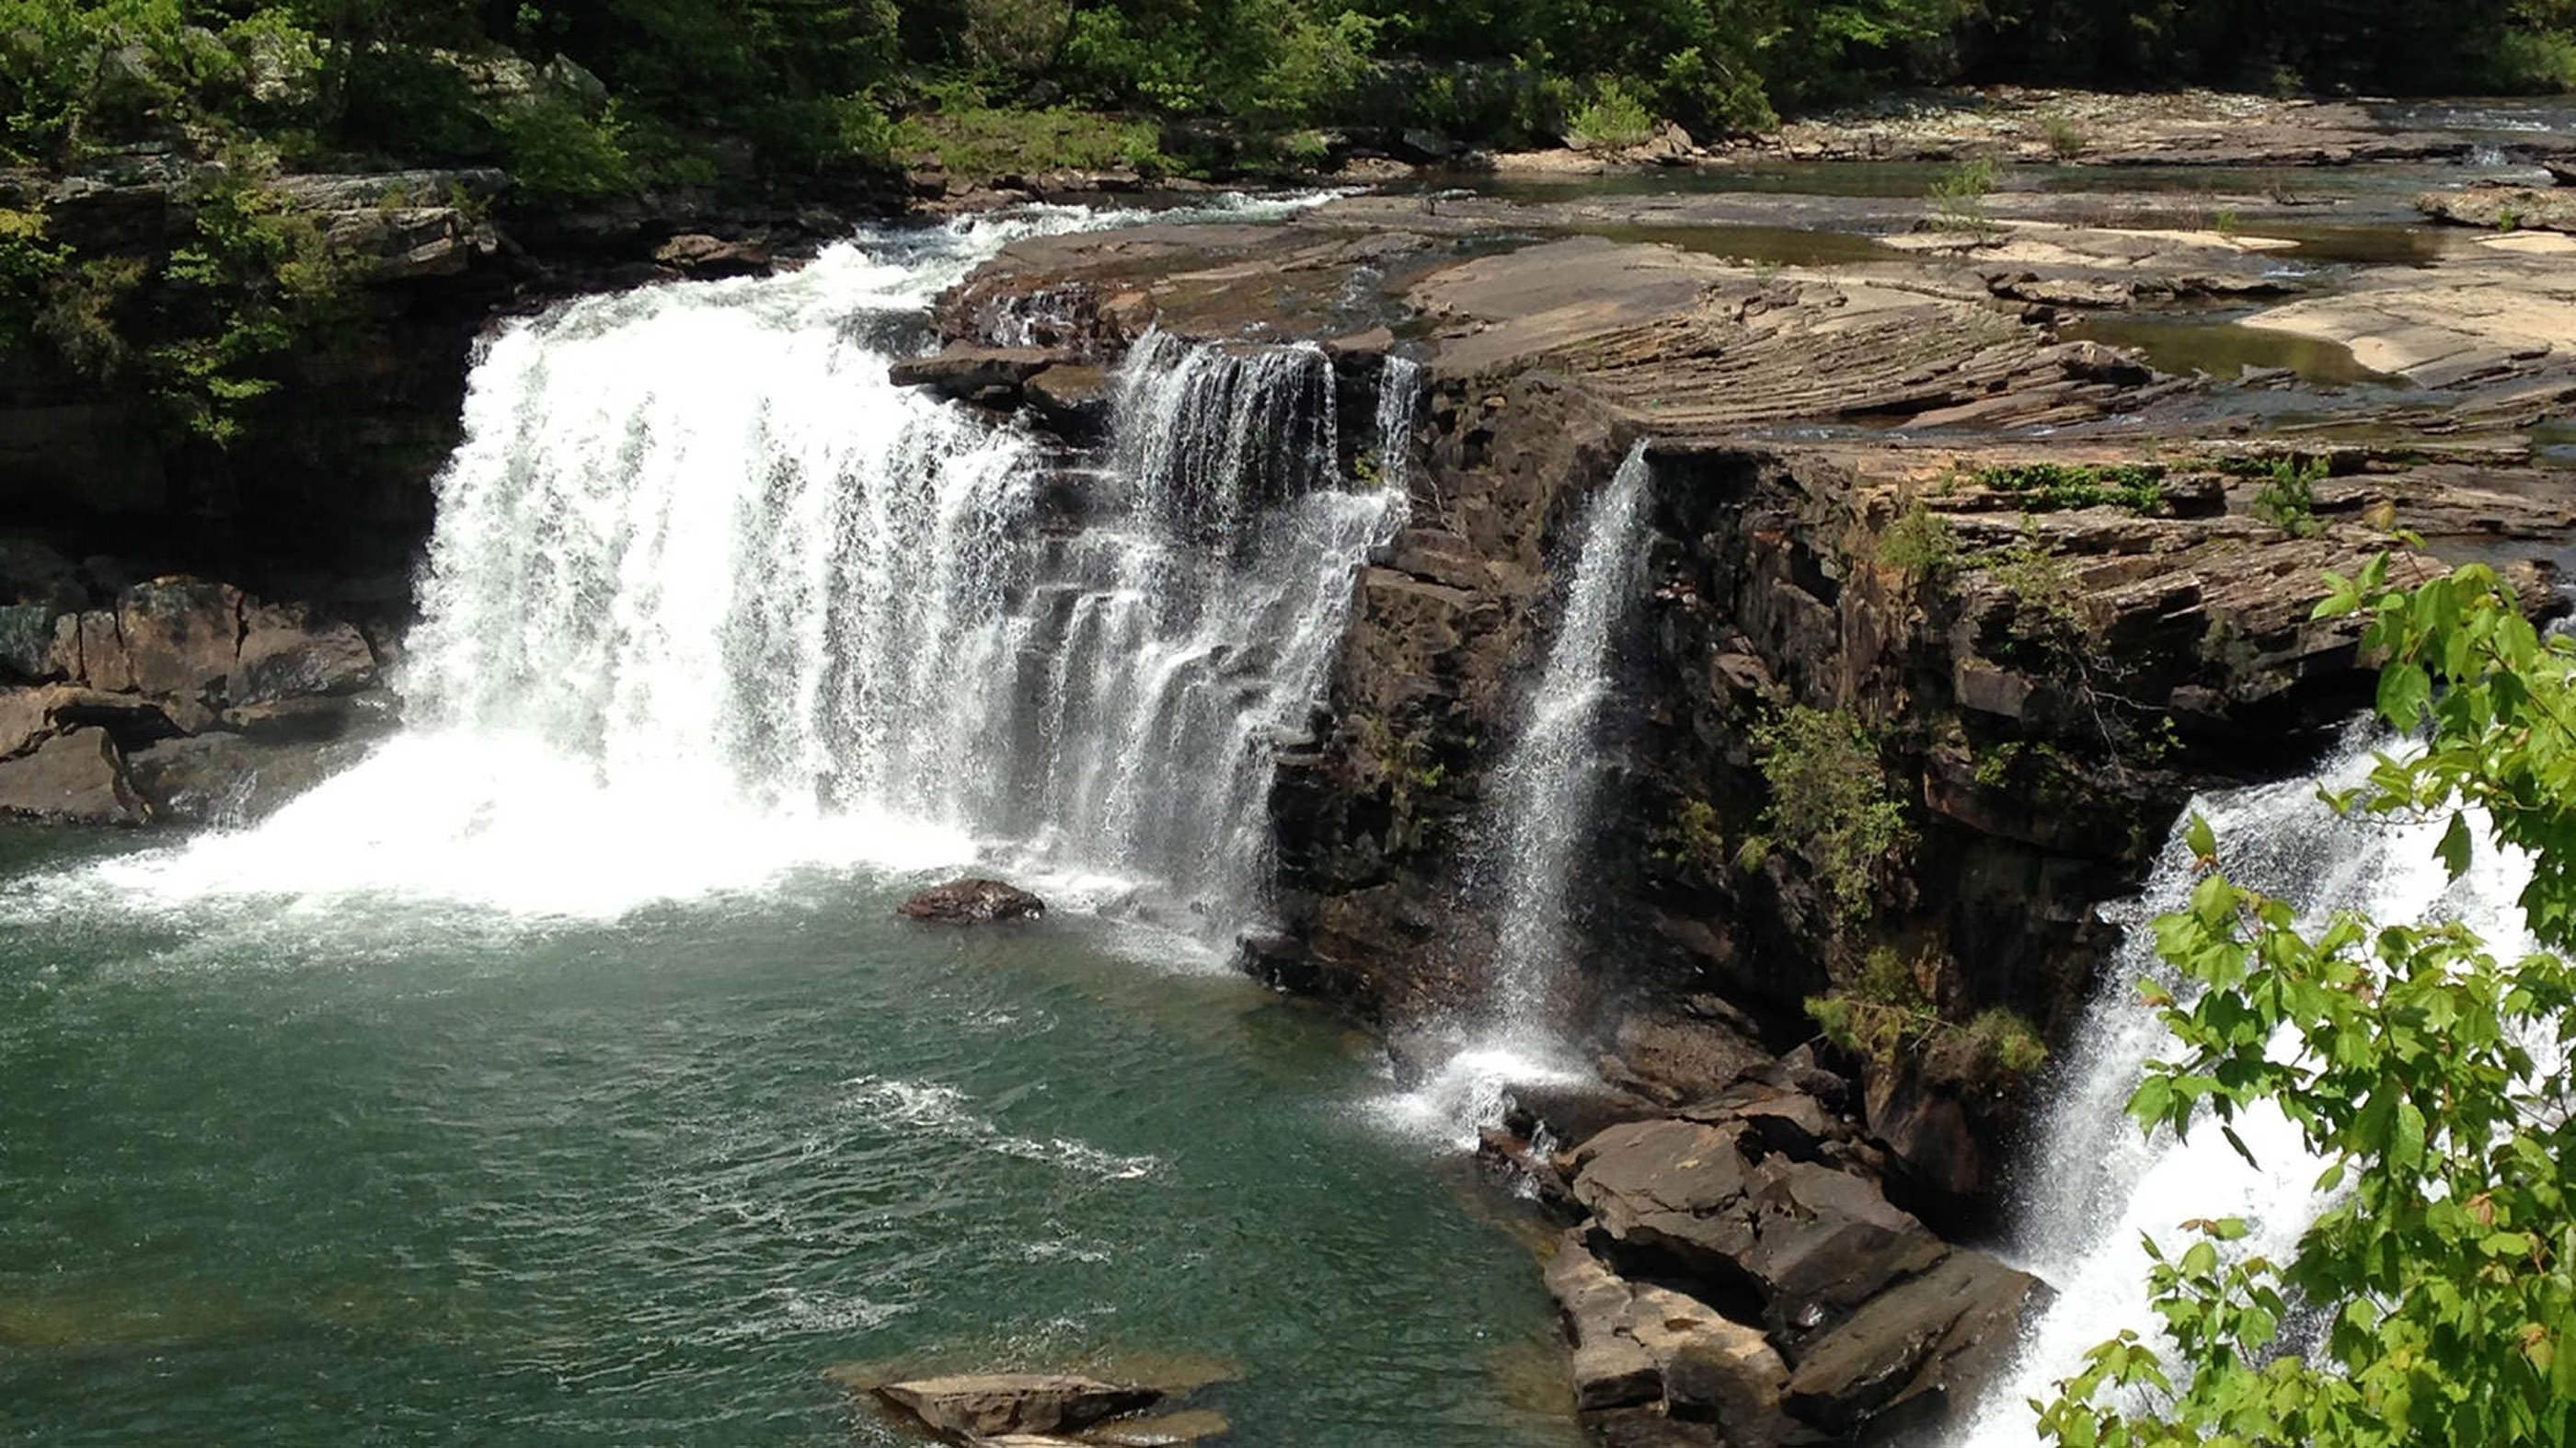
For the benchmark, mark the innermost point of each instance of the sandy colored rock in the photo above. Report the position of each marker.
(984, 1405)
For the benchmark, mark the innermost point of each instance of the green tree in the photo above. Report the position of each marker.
(2431, 1075)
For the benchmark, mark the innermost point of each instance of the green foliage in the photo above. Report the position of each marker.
(2048, 599)
(2066, 140)
(255, 280)
(1831, 803)
(2049, 487)
(1958, 196)
(555, 149)
(981, 141)
(2430, 1074)
(1887, 1016)
(1920, 544)
(1616, 116)
(2288, 498)
(1693, 839)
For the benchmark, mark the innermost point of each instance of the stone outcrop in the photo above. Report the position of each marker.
(76, 777)
(174, 700)
(2507, 208)
(1736, 1277)
(972, 901)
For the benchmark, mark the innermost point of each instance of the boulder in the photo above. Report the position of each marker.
(74, 778)
(284, 654)
(1073, 398)
(1809, 1242)
(706, 257)
(1827, 1241)
(27, 641)
(1677, 1189)
(972, 901)
(1671, 1058)
(984, 1405)
(1919, 1352)
(229, 779)
(988, 375)
(1638, 1344)
(180, 637)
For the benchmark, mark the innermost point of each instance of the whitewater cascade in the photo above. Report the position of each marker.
(710, 596)
(1547, 783)
(2092, 1183)
(1539, 826)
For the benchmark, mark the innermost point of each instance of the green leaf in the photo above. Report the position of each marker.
(2454, 849)
(2405, 694)
(2200, 839)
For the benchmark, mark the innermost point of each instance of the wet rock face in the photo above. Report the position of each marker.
(972, 901)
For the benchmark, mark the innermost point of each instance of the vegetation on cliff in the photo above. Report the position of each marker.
(2439, 1288)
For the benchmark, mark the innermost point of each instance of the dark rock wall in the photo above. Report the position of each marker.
(2039, 773)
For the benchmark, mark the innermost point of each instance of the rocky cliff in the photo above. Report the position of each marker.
(2038, 593)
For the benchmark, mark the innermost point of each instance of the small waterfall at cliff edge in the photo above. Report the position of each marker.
(2093, 1184)
(710, 598)
(1540, 825)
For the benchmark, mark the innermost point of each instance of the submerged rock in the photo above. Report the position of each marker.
(972, 901)
(988, 1405)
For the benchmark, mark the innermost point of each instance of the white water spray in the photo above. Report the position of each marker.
(710, 597)
(2092, 1184)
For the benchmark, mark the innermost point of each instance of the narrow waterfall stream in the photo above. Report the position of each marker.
(2091, 1184)
(1540, 825)
(559, 1074)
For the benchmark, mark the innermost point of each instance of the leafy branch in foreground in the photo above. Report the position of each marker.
(2431, 1075)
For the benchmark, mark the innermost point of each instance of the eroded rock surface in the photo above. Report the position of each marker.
(978, 1407)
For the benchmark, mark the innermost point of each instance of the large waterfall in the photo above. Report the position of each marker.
(2092, 1185)
(709, 596)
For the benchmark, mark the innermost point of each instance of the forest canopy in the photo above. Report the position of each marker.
(597, 96)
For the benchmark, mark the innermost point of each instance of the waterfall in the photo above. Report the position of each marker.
(1538, 827)
(2092, 1184)
(709, 597)
(1547, 782)
(1399, 403)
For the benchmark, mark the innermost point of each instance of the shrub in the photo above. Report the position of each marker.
(979, 141)
(2288, 499)
(554, 148)
(1614, 117)
(1887, 1017)
(1959, 195)
(2065, 140)
(1831, 804)
(1920, 544)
